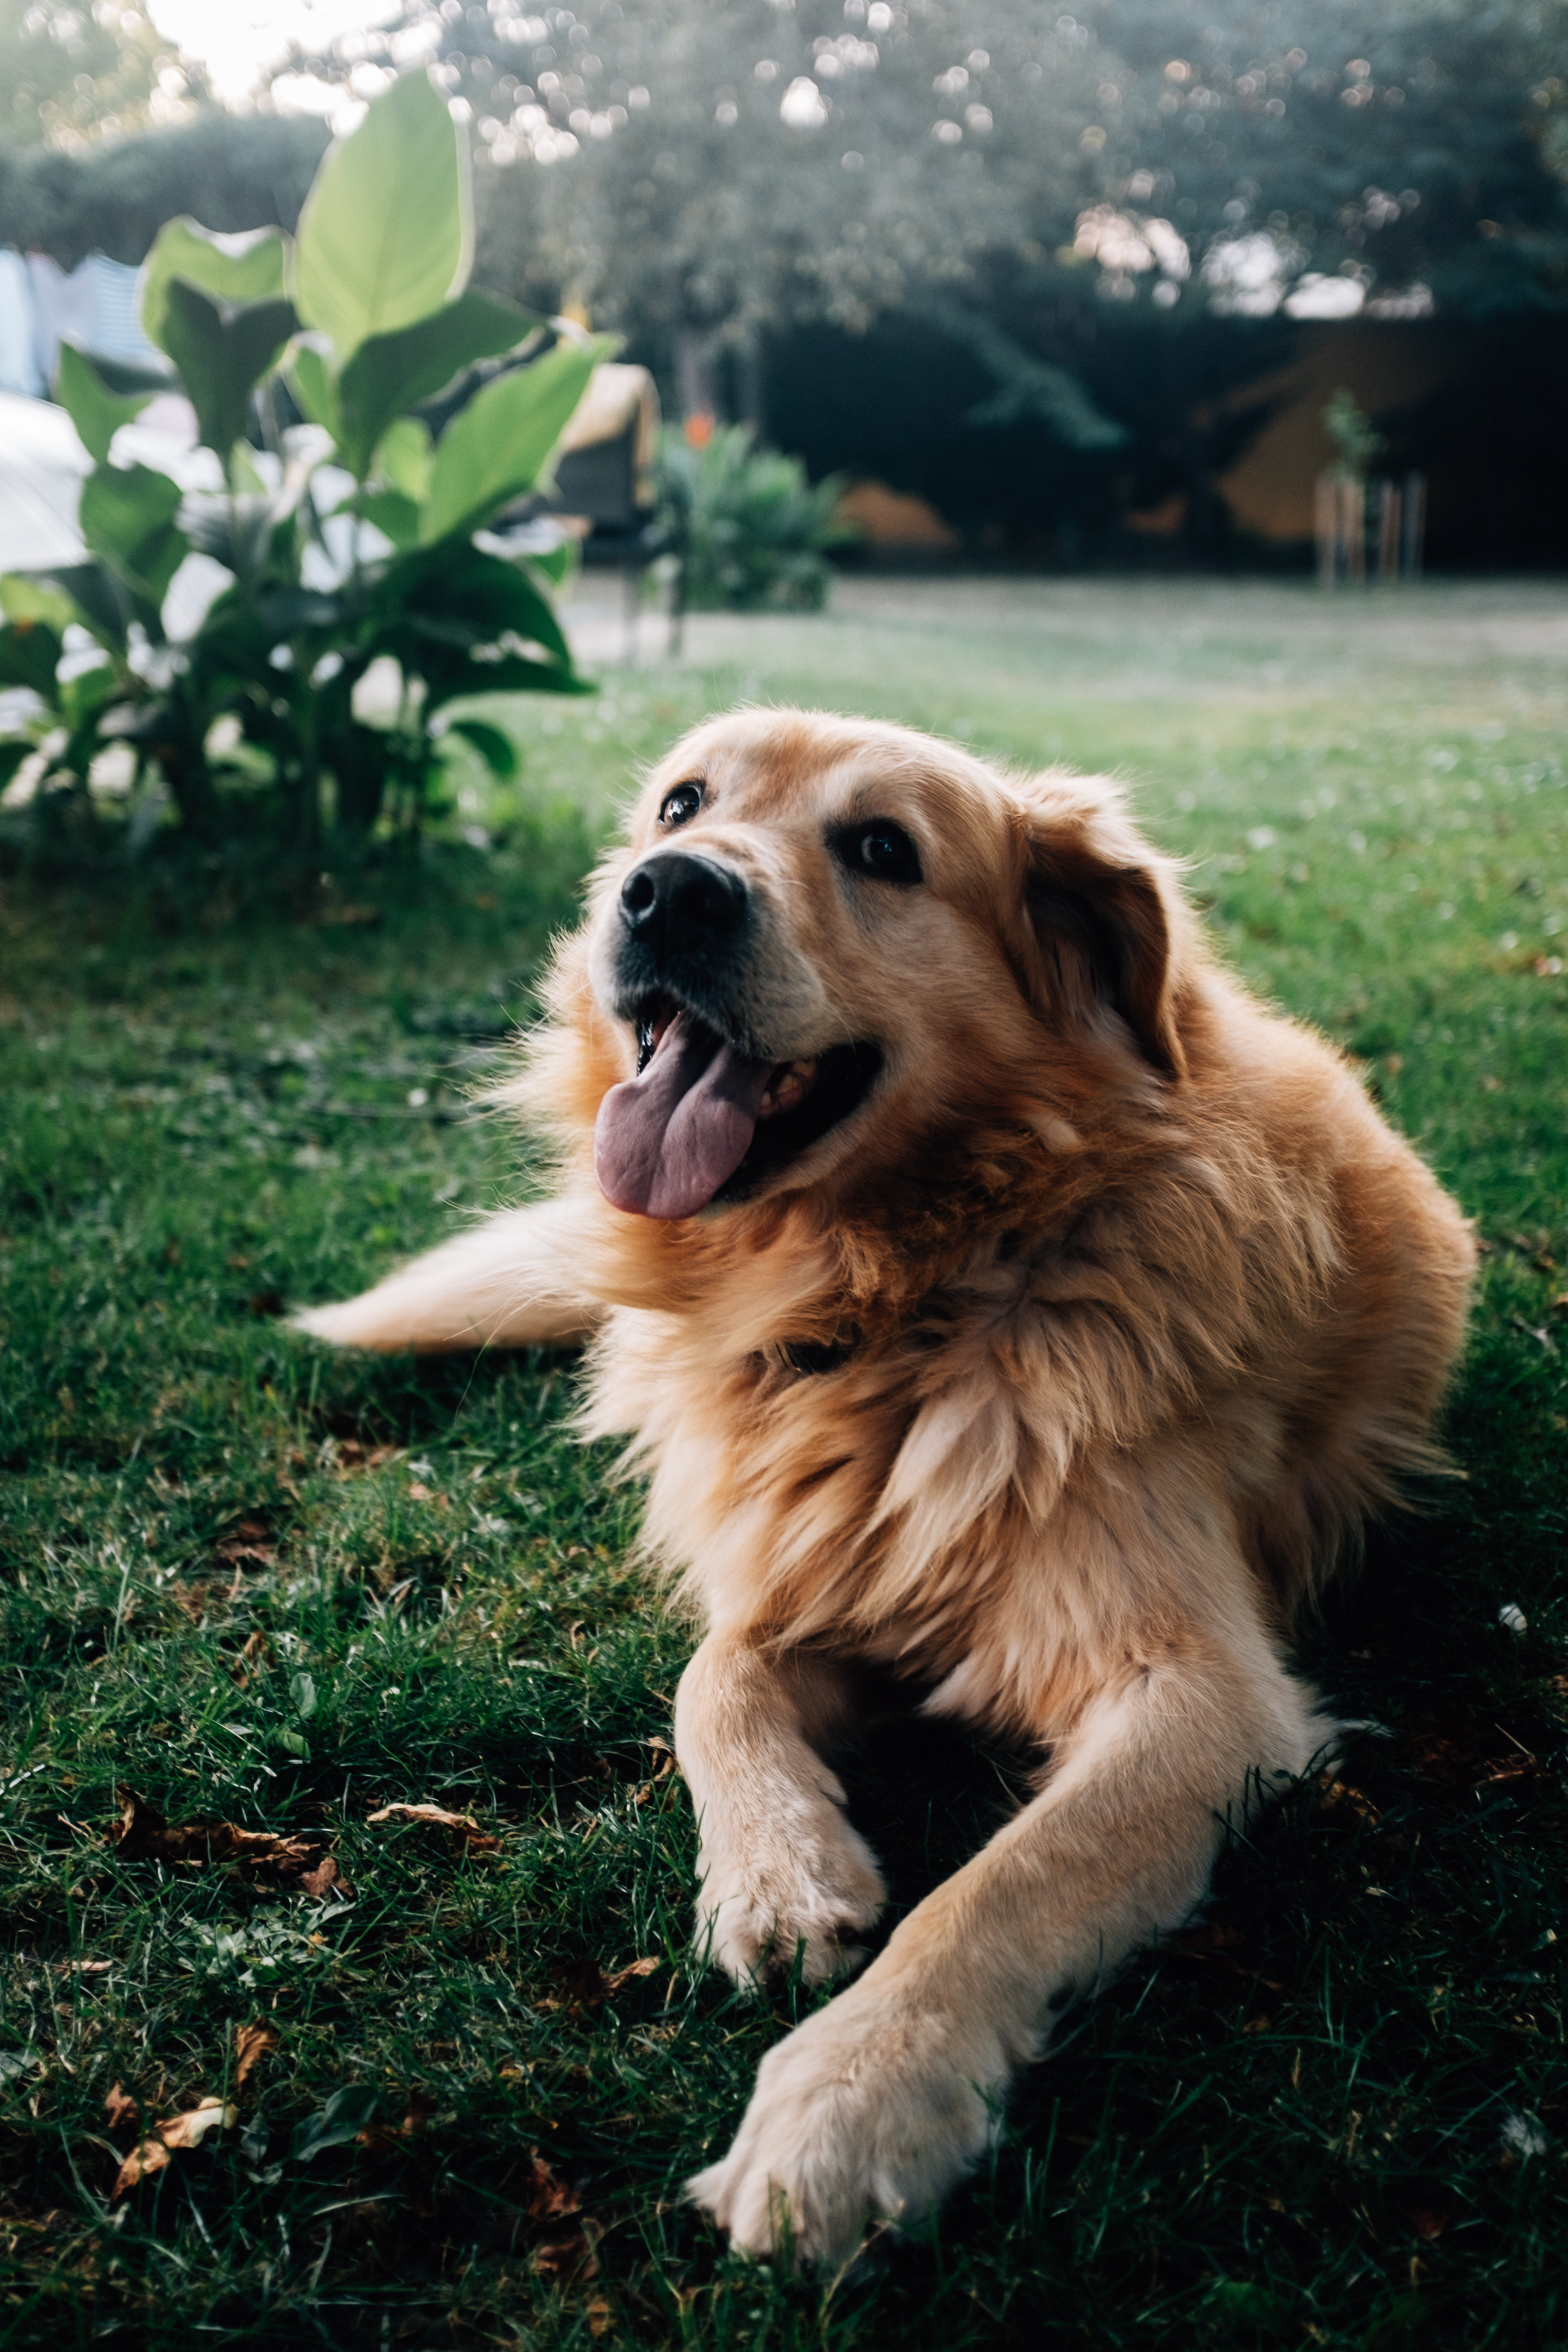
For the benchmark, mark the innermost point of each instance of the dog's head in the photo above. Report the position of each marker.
(830, 939)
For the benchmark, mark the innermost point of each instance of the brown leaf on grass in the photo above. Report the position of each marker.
(350, 1453)
(463, 1826)
(251, 2046)
(1461, 1752)
(119, 2107)
(143, 1834)
(585, 1984)
(1427, 2222)
(1343, 1797)
(325, 1879)
(257, 1653)
(566, 2249)
(1209, 1935)
(188, 2131)
(382, 2138)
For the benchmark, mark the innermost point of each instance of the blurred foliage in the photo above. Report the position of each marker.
(113, 195)
(753, 530)
(690, 169)
(274, 639)
(1353, 435)
(65, 73)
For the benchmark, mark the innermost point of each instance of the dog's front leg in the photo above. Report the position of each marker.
(507, 1282)
(781, 1869)
(884, 2099)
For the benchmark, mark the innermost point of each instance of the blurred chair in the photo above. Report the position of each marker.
(604, 473)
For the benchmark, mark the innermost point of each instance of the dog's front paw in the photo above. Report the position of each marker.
(804, 1880)
(870, 2112)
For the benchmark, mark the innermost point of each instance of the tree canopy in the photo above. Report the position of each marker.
(67, 72)
(707, 165)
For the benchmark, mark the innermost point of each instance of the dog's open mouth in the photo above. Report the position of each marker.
(703, 1121)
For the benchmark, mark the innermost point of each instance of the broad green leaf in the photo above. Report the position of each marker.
(391, 512)
(346, 2114)
(24, 596)
(29, 651)
(12, 754)
(97, 413)
(97, 600)
(557, 564)
(404, 457)
(244, 478)
(251, 268)
(498, 751)
(222, 354)
(463, 597)
(498, 446)
(514, 674)
(88, 692)
(302, 1691)
(386, 235)
(127, 517)
(393, 372)
(314, 386)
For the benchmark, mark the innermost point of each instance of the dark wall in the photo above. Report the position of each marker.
(1493, 443)
(895, 404)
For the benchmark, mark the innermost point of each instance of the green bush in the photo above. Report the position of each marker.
(353, 603)
(753, 529)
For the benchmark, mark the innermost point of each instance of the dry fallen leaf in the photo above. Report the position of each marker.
(584, 1981)
(1342, 1797)
(462, 1825)
(381, 2138)
(257, 1653)
(325, 1879)
(1427, 2222)
(144, 1835)
(568, 2247)
(249, 1539)
(188, 2131)
(119, 2107)
(251, 2045)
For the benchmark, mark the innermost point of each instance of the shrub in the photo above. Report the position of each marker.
(753, 529)
(285, 641)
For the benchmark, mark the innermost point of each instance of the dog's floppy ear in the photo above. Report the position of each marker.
(1103, 920)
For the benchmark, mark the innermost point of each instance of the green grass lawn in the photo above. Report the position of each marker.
(259, 1584)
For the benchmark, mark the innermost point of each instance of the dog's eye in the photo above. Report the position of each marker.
(681, 805)
(879, 848)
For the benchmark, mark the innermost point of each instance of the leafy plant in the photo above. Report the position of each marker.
(753, 530)
(287, 625)
(1353, 435)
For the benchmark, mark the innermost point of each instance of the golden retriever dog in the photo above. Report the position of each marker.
(1000, 1302)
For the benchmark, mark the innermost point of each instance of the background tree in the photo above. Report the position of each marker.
(1069, 242)
(68, 72)
(702, 166)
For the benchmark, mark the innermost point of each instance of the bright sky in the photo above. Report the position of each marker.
(238, 39)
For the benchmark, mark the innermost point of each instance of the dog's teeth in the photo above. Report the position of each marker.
(794, 1080)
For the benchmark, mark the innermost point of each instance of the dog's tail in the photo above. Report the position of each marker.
(504, 1284)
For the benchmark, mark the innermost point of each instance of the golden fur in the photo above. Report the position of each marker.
(1133, 1308)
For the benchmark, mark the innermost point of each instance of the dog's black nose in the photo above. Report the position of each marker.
(673, 898)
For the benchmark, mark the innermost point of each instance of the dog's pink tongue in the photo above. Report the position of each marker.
(665, 1142)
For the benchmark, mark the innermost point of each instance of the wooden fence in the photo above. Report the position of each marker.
(1370, 530)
